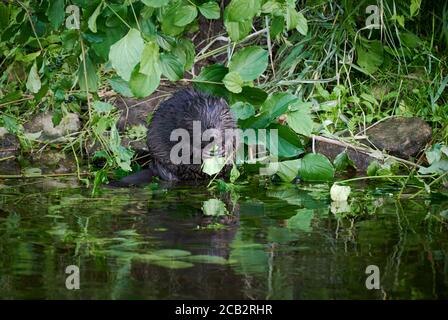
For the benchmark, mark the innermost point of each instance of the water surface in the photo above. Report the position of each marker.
(272, 242)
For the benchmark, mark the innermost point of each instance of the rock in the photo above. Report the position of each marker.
(331, 150)
(43, 123)
(9, 144)
(53, 161)
(400, 136)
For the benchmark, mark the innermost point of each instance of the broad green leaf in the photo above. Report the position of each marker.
(289, 144)
(414, 7)
(233, 82)
(185, 15)
(249, 62)
(302, 220)
(302, 24)
(171, 67)
(370, 55)
(238, 30)
(90, 75)
(56, 12)
(242, 110)
(277, 26)
(125, 54)
(291, 18)
(33, 83)
(213, 165)
(250, 95)
(286, 170)
(155, 3)
(373, 168)
(316, 167)
(234, 174)
(210, 10)
(93, 17)
(439, 167)
(214, 207)
(120, 86)
(184, 50)
(102, 107)
(342, 162)
(143, 85)
(210, 80)
(149, 63)
(239, 10)
(270, 7)
(300, 120)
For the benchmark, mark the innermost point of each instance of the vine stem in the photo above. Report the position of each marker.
(380, 177)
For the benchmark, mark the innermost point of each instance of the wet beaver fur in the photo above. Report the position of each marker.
(179, 112)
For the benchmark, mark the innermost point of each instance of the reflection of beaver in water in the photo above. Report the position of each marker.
(187, 110)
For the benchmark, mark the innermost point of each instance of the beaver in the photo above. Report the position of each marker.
(191, 115)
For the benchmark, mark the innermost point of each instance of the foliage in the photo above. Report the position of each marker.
(316, 64)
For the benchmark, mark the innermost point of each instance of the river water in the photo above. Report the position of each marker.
(259, 241)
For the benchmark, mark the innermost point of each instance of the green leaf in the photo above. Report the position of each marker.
(439, 167)
(212, 73)
(234, 174)
(238, 30)
(155, 3)
(249, 62)
(149, 63)
(302, 24)
(342, 162)
(213, 165)
(125, 54)
(277, 26)
(33, 83)
(300, 120)
(373, 167)
(370, 55)
(291, 18)
(94, 16)
(120, 86)
(171, 67)
(239, 10)
(90, 75)
(184, 50)
(143, 85)
(286, 170)
(233, 82)
(250, 95)
(214, 207)
(242, 110)
(302, 220)
(415, 6)
(289, 144)
(56, 13)
(102, 107)
(185, 15)
(210, 10)
(316, 167)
